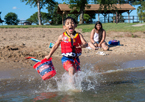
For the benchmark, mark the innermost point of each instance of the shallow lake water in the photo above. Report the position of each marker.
(122, 83)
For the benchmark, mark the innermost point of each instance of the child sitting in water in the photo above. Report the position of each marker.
(98, 35)
(72, 43)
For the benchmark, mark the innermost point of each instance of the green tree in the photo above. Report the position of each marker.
(105, 4)
(52, 12)
(44, 18)
(57, 18)
(141, 13)
(140, 9)
(75, 16)
(40, 4)
(141, 16)
(11, 19)
(92, 16)
(86, 18)
(79, 5)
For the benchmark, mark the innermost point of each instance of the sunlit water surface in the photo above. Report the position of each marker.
(124, 83)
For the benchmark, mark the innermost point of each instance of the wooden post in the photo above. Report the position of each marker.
(108, 18)
(119, 17)
(66, 14)
(104, 18)
(62, 16)
(128, 17)
(116, 18)
(98, 16)
(113, 18)
(141, 17)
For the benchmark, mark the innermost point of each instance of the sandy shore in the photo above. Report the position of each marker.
(18, 43)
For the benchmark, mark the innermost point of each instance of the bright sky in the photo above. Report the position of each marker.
(16, 6)
(25, 11)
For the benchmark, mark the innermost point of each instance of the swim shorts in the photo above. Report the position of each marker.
(70, 62)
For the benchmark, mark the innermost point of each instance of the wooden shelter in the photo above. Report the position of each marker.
(63, 9)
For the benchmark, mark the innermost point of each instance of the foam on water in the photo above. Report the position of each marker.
(128, 69)
(85, 80)
(86, 77)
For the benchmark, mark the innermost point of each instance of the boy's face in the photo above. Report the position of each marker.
(69, 26)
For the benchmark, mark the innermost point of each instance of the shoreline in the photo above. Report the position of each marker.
(103, 65)
(97, 60)
(19, 43)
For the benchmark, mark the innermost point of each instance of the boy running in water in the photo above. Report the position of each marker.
(72, 43)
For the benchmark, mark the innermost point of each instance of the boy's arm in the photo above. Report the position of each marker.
(55, 46)
(84, 43)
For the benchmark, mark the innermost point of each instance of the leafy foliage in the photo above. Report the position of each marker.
(34, 18)
(55, 17)
(86, 18)
(79, 6)
(141, 9)
(11, 19)
(75, 16)
(52, 12)
(40, 4)
(43, 3)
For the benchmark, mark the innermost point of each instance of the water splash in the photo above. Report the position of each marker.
(85, 80)
(88, 79)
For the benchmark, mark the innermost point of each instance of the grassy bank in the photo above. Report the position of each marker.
(31, 26)
(120, 27)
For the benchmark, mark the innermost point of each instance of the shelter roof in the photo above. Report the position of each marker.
(95, 8)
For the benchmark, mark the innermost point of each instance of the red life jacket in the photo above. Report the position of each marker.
(68, 45)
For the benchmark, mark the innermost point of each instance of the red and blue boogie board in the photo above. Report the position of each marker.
(45, 68)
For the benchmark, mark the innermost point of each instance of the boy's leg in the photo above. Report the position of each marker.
(72, 65)
(71, 72)
(68, 65)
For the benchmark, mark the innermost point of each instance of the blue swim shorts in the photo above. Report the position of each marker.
(70, 62)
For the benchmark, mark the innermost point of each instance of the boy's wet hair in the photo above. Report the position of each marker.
(71, 19)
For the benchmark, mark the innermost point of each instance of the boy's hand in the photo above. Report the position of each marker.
(79, 46)
(47, 57)
(82, 46)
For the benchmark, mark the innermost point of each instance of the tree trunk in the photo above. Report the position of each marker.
(39, 12)
(81, 17)
(116, 18)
